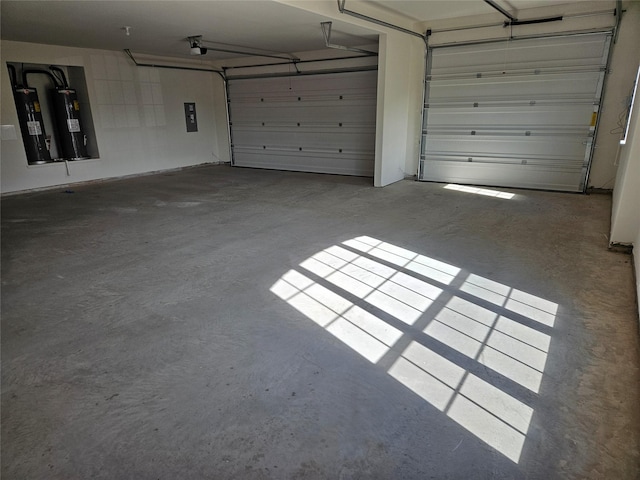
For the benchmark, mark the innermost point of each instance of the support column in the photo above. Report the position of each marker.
(398, 111)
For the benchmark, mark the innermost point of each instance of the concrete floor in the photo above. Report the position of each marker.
(154, 328)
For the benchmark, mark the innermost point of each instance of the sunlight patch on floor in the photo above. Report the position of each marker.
(384, 301)
(480, 191)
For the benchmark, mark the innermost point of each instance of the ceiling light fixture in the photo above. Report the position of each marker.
(195, 43)
(127, 31)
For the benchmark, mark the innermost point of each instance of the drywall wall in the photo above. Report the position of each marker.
(625, 211)
(623, 67)
(138, 115)
(399, 99)
(636, 259)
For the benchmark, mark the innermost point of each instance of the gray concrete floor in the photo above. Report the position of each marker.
(143, 337)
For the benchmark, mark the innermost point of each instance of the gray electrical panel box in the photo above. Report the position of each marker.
(190, 117)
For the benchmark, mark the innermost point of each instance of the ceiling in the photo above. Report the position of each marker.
(161, 27)
(426, 10)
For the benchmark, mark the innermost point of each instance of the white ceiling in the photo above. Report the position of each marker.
(161, 27)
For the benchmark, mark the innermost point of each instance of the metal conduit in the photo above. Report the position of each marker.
(524, 22)
(618, 13)
(300, 62)
(512, 20)
(501, 10)
(326, 31)
(173, 67)
(224, 70)
(255, 53)
(342, 9)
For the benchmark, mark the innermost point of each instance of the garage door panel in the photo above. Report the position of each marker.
(313, 123)
(292, 96)
(533, 86)
(319, 84)
(565, 52)
(498, 175)
(292, 159)
(494, 111)
(537, 117)
(515, 149)
(330, 139)
(305, 114)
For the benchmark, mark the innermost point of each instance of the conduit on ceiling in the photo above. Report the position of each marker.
(512, 21)
(223, 72)
(342, 9)
(248, 51)
(501, 10)
(326, 31)
(533, 21)
(172, 67)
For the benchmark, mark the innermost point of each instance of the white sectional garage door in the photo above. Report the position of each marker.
(519, 113)
(322, 123)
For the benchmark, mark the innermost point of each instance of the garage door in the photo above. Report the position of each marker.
(313, 123)
(518, 113)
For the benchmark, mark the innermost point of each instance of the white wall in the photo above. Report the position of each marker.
(636, 258)
(399, 100)
(138, 116)
(625, 212)
(624, 63)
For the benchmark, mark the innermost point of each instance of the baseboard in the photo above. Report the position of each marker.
(621, 248)
(605, 191)
(108, 179)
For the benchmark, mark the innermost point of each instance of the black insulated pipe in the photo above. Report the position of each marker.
(13, 75)
(59, 73)
(41, 72)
